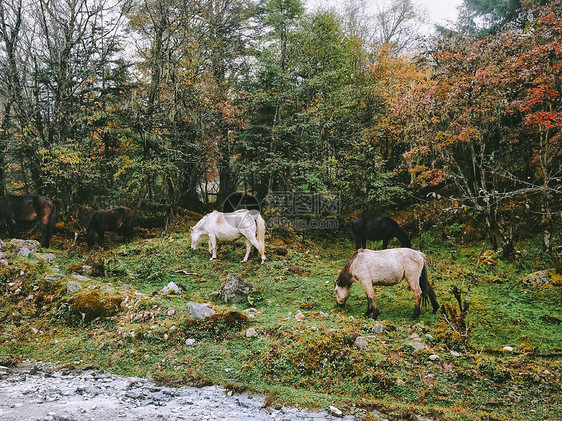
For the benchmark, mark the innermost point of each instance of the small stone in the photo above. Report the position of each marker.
(378, 328)
(47, 257)
(417, 345)
(54, 277)
(87, 269)
(434, 357)
(80, 278)
(171, 288)
(455, 354)
(73, 286)
(190, 341)
(251, 333)
(361, 342)
(171, 312)
(299, 316)
(507, 348)
(335, 411)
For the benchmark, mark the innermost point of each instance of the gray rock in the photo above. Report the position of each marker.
(171, 288)
(361, 342)
(87, 269)
(80, 278)
(378, 328)
(18, 245)
(190, 341)
(417, 345)
(198, 311)
(235, 290)
(47, 257)
(4, 262)
(54, 277)
(335, 411)
(251, 333)
(537, 278)
(23, 252)
(73, 286)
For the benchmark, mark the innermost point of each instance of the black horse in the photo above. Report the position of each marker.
(119, 220)
(373, 228)
(17, 209)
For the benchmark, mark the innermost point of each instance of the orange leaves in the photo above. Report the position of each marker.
(544, 120)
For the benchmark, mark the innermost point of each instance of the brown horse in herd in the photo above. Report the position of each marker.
(120, 220)
(17, 209)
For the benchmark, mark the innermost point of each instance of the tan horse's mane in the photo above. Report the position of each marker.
(345, 276)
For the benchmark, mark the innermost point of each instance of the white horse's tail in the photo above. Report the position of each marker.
(260, 233)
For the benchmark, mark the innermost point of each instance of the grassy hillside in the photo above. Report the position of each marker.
(304, 353)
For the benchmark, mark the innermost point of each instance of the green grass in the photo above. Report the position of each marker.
(307, 362)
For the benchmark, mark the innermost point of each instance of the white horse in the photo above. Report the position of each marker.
(231, 226)
(386, 267)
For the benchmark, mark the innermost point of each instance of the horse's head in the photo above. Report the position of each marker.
(342, 292)
(195, 237)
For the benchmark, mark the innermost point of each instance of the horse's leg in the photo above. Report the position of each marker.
(101, 238)
(213, 246)
(254, 242)
(371, 302)
(415, 286)
(13, 228)
(44, 225)
(44, 235)
(385, 242)
(248, 249)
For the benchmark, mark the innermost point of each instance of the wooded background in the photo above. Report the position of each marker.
(161, 102)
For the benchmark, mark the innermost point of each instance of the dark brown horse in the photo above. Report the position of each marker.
(119, 220)
(373, 228)
(17, 209)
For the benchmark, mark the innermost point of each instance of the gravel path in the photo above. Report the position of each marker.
(40, 392)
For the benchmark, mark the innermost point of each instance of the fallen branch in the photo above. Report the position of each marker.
(183, 272)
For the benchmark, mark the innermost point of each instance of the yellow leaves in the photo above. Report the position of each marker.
(487, 258)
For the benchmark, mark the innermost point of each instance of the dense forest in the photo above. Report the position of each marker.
(155, 103)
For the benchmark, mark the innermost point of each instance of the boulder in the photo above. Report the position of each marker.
(198, 311)
(24, 247)
(235, 290)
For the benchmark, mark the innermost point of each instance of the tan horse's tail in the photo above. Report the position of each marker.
(427, 290)
(260, 233)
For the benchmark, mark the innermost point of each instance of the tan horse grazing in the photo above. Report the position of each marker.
(231, 226)
(386, 267)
